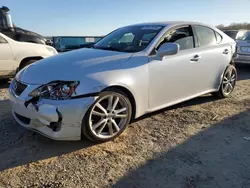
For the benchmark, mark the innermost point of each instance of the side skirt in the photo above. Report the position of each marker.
(179, 101)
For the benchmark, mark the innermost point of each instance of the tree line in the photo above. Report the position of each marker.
(234, 26)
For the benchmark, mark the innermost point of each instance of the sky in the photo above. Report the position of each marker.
(99, 17)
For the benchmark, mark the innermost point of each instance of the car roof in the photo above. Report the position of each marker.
(169, 23)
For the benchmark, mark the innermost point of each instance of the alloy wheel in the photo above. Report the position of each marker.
(229, 81)
(108, 116)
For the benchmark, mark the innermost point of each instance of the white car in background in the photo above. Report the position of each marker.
(16, 55)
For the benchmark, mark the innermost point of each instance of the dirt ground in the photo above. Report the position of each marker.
(201, 143)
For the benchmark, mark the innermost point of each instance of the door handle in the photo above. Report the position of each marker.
(226, 51)
(195, 58)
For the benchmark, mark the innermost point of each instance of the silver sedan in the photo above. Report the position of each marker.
(134, 70)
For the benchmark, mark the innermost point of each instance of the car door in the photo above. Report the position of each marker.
(214, 54)
(6, 58)
(175, 78)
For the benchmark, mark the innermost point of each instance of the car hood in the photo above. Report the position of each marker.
(73, 65)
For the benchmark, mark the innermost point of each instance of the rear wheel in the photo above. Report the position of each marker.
(108, 117)
(228, 82)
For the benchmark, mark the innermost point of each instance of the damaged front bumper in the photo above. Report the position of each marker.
(56, 119)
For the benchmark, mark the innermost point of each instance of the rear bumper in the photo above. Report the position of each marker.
(242, 59)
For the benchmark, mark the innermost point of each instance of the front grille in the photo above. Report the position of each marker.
(18, 87)
(23, 119)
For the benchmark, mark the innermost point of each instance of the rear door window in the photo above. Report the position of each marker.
(205, 35)
(182, 36)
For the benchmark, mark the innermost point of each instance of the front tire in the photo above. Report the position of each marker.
(228, 82)
(27, 63)
(108, 117)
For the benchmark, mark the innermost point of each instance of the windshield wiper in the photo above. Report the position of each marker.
(107, 48)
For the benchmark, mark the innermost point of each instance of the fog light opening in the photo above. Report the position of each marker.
(56, 126)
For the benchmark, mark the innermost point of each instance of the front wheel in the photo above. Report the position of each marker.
(108, 117)
(228, 82)
(27, 63)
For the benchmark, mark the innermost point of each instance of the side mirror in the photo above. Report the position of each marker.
(168, 49)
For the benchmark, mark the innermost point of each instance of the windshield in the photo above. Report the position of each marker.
(246, 36)
(129, 39)
(61, 43)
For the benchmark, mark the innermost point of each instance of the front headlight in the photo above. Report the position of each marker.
(57, 90)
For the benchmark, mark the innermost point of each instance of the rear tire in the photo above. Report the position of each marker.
(107, 117)
(228, 82)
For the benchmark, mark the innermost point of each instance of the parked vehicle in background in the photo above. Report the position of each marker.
(16, 55)
(235, 34)
(68, 43)
(49, 41)
(132, 71)
(243, 48)
(16, 33)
